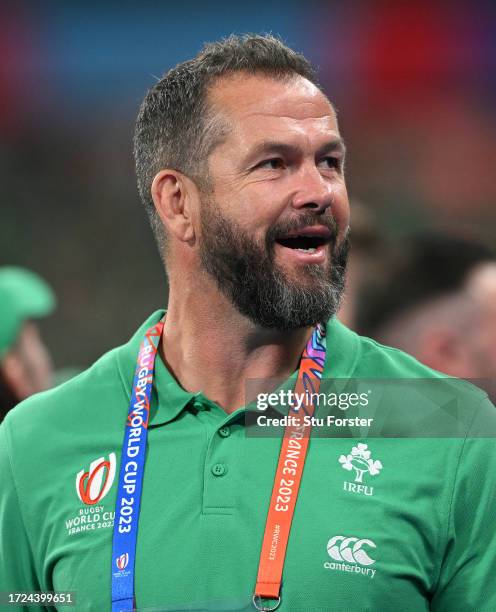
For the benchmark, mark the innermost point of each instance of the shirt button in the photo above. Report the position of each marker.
(224, 432)
(199, 405)
(219, 469)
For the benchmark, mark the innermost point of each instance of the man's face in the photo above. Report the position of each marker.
(27, 366)
(274, 225)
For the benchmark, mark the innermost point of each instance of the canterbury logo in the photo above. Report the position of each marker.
(92, 486)
(342, 548)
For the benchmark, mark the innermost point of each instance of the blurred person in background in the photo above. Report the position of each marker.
(365, 258)
(438, 303)
(25, 362)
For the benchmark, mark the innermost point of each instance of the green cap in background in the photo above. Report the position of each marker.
(23, 295)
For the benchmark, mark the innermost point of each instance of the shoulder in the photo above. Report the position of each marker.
(95, 399)
(72, 401)
(429, 401)
(370, 358)
(390, 360)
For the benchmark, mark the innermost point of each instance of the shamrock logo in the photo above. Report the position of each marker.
(360, 461)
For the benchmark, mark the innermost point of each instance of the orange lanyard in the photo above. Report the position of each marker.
(288, 476)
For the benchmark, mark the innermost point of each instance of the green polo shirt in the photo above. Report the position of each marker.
(415, 531)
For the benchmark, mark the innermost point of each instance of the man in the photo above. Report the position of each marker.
(25, 363)
(438, 303)
(240, 164)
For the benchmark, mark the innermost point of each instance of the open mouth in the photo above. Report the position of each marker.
(302, 243)
(306, 240)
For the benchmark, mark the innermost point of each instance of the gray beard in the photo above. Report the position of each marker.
(246, 274)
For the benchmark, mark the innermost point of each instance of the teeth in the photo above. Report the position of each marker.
(309, 250)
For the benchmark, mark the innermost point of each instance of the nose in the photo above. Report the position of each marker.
(314, 191)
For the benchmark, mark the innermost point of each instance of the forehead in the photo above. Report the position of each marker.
(252, 104)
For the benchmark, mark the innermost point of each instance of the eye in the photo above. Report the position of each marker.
(271, 164)
(331, 162)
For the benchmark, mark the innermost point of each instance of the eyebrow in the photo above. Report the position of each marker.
(272, 146)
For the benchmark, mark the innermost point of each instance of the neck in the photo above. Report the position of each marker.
(210, 347)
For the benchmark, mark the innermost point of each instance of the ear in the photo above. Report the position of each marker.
(173, 196)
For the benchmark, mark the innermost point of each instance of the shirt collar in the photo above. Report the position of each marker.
(341, 358)
(170, 396)
(167, 393)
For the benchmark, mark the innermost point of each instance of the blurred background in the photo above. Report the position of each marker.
(414, 85)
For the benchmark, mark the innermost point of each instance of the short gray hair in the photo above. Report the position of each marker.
(176, 127)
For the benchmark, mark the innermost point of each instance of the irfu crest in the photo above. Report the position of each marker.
(360, 461)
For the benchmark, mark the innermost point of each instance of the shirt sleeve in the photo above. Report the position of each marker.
(17, 569)
(468, 569)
